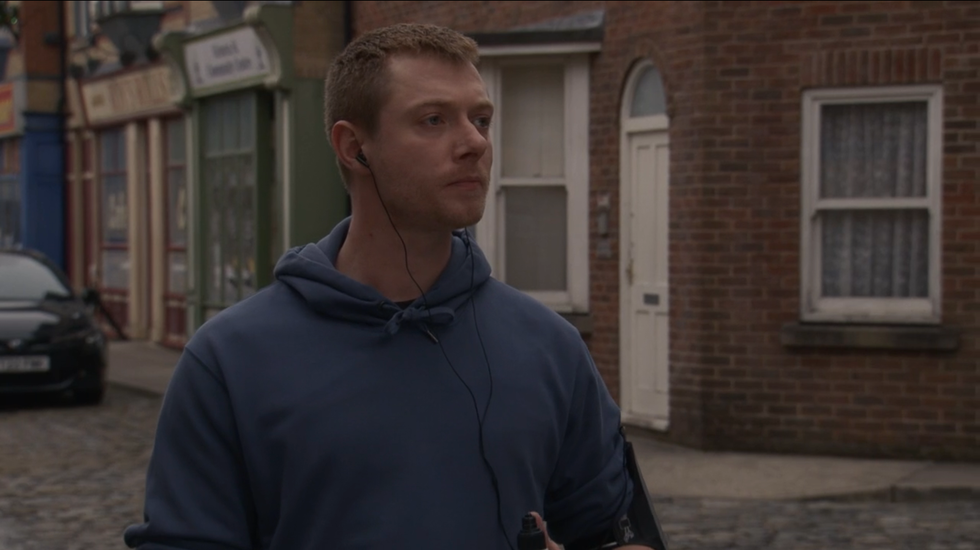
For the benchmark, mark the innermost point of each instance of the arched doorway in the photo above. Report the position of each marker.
(644, 290)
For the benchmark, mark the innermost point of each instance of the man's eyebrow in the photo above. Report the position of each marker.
(443, 103)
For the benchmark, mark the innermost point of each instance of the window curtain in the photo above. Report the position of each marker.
(874, 151)
(533, 148)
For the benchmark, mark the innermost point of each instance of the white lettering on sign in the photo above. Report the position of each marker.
(237, 55)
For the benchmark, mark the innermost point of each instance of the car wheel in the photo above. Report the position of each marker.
(89, 397)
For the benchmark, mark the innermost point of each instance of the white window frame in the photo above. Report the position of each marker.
(575, 299)
(815, 307)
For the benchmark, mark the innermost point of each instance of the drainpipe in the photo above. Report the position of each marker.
(62, 126)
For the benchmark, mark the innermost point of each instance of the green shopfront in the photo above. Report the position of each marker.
(262, 176)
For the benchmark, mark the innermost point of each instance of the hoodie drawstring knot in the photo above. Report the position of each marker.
(435, 316)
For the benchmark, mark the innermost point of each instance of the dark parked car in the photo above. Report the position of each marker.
(49, 339)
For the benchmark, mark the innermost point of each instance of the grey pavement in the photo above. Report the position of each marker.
(678, 472)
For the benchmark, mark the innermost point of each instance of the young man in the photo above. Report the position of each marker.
(385, 392)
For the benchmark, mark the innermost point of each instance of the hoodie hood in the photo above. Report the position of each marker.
(310, 271)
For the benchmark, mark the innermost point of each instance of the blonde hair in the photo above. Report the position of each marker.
(355, 86)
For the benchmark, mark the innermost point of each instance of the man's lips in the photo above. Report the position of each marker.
(469, 182)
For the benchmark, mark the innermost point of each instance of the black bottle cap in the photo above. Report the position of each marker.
(530, 537)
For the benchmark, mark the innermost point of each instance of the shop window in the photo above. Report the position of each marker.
(872, 216)
(115, 210)
(229, 200)
(82, 18)
(103, 8)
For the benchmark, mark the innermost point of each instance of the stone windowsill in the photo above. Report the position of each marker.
(920, 338)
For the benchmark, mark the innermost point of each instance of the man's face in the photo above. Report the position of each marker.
(431, 153)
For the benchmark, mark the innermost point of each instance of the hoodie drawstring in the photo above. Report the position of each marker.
(436, 316)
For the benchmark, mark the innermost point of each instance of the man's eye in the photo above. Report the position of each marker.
(482, 122)
(433, 120)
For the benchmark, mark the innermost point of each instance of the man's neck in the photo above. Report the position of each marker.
(373, 254)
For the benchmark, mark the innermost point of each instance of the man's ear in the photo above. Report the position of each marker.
(343, 137)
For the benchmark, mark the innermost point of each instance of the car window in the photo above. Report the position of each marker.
(24, 278)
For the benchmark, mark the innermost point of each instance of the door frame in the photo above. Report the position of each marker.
(628, 128)
(173, 314)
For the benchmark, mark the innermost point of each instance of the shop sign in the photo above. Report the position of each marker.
(8, 113)
(229, 57)
(127, 95)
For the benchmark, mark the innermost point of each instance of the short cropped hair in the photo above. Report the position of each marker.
(355, 88)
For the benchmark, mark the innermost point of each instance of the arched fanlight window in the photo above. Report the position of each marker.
(648, 94)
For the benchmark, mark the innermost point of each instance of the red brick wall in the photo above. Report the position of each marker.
(734, 73)
(757, 394)
(37, 19)
(318, 35)
(462, 16)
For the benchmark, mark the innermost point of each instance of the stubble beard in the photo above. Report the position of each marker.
(458, 214)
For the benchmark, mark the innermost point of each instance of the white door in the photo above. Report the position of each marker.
(646, 297)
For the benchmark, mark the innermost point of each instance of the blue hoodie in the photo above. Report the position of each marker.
(319, 415)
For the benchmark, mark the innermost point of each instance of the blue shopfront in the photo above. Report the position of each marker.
(31, 175)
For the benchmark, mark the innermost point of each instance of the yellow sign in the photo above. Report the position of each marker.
(128, 95)
(8, 118)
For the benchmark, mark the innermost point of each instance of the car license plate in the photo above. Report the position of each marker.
(39, 363)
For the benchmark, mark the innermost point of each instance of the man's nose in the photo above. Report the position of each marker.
(471, 141)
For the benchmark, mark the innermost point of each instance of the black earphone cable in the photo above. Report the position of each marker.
(476, 408)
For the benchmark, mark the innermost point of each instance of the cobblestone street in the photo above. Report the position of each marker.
(71, 478)
(783, 525)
